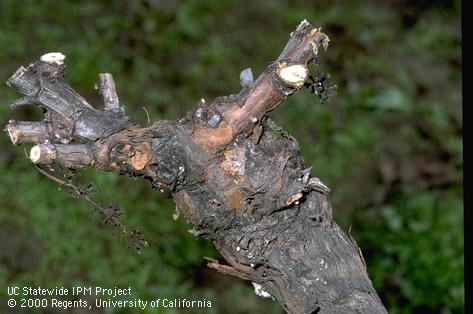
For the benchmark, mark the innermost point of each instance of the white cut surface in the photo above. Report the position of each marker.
(294, 75)
(53, 57)
(35, 154)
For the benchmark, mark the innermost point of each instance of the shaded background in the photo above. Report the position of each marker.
(389, 145)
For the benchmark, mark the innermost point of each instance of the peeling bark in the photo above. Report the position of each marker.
(235, 175)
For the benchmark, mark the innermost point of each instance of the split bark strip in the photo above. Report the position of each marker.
(235, 176)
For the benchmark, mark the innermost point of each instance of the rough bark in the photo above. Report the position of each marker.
(235, 176)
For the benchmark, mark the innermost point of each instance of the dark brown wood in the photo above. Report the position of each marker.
(236, 176)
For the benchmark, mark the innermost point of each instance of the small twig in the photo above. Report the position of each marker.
(107, 89)
(110, 218)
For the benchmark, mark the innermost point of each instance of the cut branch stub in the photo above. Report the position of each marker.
(21, 132)
(268, 90)
(107, 89)
(43, 154)
(69, 155)
(43, 83)
(240, 113)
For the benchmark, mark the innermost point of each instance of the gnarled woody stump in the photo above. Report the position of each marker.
(235, 176)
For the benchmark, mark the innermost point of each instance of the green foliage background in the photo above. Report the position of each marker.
(389, 144)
